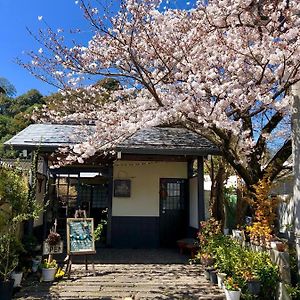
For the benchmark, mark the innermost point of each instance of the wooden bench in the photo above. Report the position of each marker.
(188, 245)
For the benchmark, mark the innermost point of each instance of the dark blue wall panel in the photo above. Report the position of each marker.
(135, 232)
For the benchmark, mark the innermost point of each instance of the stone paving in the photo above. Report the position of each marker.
(128, 281)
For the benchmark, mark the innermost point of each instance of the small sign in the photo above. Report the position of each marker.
(80, 236)
(122, 188)
(56, 249)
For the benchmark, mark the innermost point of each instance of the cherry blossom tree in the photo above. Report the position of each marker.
(222, 69)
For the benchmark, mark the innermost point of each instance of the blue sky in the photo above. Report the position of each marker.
(16, 15)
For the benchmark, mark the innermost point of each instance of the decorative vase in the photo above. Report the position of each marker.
(253, 287)
(48, 274)
(6, 289)
(17, 277)
(232, 295)
(221, 277)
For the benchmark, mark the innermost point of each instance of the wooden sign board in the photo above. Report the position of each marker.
(80, 236)
(56, 249)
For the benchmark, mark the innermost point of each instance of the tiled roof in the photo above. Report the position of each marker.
(48, 136)
(157, 140)
(166, 140)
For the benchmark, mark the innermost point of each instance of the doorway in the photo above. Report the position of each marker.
(173, 210)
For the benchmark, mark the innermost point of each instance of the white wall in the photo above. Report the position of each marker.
(144, 176)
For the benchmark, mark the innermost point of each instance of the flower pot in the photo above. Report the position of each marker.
(6, 289)
(48, 274)
(207, 274)
(232, 295)
(291, 235)
(280, 246)
(273, 245)
(253, 287)
(35, 265)
(220, 278)
(226, 231)
(213, 276)
(17, 277)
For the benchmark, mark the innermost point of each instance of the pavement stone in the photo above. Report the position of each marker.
(134, 281)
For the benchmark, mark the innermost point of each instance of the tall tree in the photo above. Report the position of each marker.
(15, 115)
(222, 69)
(6, 87)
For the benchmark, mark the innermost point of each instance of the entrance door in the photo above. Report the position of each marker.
(173, 211)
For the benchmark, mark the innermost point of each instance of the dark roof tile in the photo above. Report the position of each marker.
(156, 140)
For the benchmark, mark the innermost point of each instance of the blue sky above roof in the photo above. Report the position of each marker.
(16, 41)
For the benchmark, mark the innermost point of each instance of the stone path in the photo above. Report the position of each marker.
(132, 280)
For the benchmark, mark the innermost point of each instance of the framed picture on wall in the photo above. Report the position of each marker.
(122, 188)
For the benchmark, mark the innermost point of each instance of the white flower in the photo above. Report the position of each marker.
(41, 50)
(40, 18)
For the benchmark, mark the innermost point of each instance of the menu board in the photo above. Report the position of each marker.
(80, 236)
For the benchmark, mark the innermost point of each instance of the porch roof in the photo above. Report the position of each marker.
(156, 141)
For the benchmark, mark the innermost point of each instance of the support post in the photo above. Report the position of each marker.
(110, 196)
(46, 198)
(201, 202)
(295, 217)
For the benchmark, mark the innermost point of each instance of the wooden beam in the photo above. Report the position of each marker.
(137, 157)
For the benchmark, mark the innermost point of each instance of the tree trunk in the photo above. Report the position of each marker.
(217, 191)
(242, 206)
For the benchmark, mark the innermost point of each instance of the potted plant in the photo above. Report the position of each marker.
(60, 273)
(49, 268)
(15, 207)
(18, 272)
(253, 282)
(207, 259)
(232, 289)
(8, 262)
